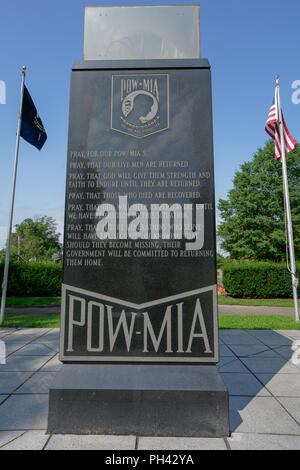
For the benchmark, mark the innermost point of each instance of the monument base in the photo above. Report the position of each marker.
(144, 400)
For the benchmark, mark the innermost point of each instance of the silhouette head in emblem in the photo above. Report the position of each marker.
(139, 107)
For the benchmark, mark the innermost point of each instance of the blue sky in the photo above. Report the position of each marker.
(246, 42)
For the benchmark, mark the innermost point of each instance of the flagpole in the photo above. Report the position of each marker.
(287, 204)
(6, 265)
(19, 246)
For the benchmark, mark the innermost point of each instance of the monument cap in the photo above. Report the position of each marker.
(141, 32)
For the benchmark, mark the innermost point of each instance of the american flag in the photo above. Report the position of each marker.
(272, 128)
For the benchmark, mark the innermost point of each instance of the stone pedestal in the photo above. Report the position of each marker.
(139, 320)
(144, 400)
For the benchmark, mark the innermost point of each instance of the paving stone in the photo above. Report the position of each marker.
(180, 443)
(36, 349)
(28, 337)
(254, 417)
(6, 331)
(231, 364)
(9, 381)
(292, 334)
(240, 339)
(33, 332)
(292, 405)
(15, 337)
(91, 442)
(20, 363)
(50, 337)
(40, 382)
(256, 350)
(233, 332)
(53, 365)
(260, 415)
(284, 351)
(30, 440)
(14, 347)
(24, 412)
(270, 337)
(53, 333)
(239, 441)
(14, 343)
(243, 384)
(52, 345)
(274, 365)
(281, 385)
(8, 436)
(225, 351)
(224, 334)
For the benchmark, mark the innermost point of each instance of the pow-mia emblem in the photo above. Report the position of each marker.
(140, 104)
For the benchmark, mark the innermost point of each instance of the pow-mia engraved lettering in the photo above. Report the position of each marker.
(107, 328)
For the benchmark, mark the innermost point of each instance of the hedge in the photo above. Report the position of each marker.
(35, 279)
(243, 280)
(258, 280)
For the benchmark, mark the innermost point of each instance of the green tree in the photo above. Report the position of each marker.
(2, 255)
(38, 238)
(252, 216)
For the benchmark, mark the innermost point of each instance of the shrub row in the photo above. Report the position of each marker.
(258, 280)
(36, 279)
(242, 280)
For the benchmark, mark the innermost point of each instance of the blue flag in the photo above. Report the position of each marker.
(32, 129)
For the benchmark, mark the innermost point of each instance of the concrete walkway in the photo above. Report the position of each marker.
(47, 310)
(245, 310)
(263, 383)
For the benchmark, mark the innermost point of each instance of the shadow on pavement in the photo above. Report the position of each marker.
(263, 383)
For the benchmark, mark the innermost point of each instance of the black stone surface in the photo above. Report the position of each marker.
(167, 160)
(146, 307)
(143, 64)
(144, 400)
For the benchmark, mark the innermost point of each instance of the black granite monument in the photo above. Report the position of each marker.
(139, 331)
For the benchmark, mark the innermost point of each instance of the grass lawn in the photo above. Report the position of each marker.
(256, 322)
(31, 321)
(272, 322)
(222, 300)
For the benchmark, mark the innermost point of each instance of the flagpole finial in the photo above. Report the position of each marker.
(24, 68)
(277, 78)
